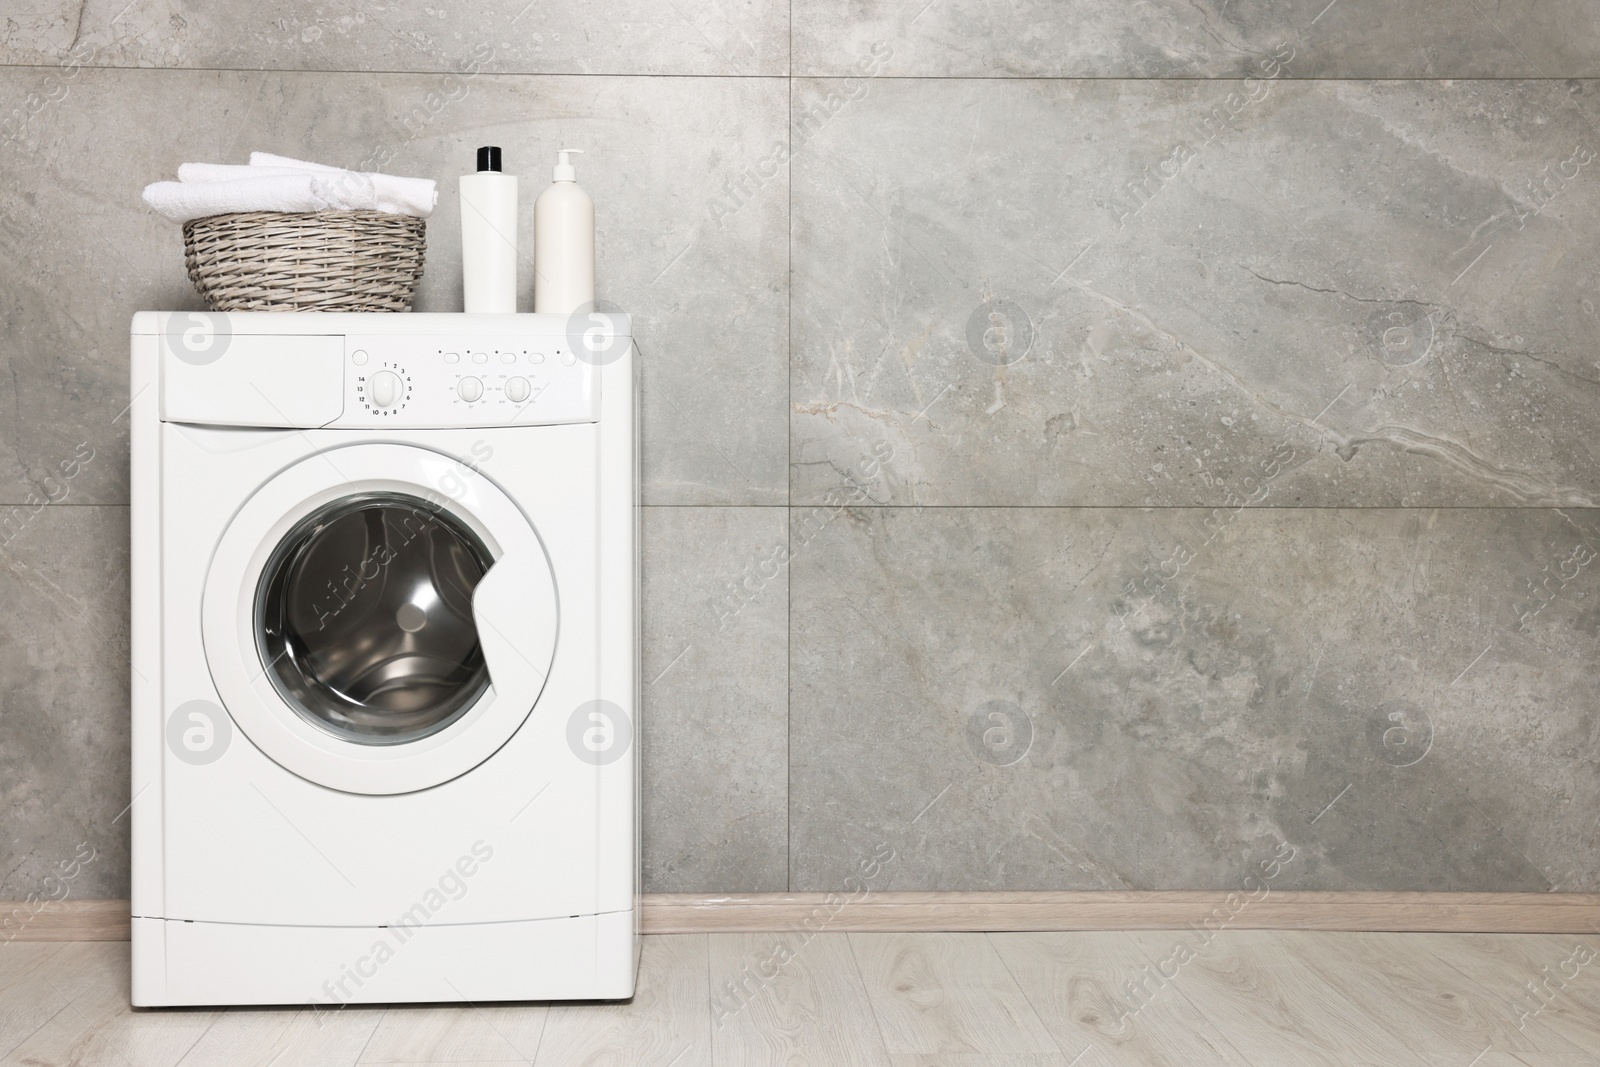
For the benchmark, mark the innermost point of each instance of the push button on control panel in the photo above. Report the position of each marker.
(420, 381)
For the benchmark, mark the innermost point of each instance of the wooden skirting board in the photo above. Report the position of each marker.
(1130, 910)
(69, 920)
(672, 913)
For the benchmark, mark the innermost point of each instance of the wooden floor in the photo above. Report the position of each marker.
(1266, 999)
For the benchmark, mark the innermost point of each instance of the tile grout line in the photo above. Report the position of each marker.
(788, 444)
(1281, 509)
(791, 76)
(1278, 509)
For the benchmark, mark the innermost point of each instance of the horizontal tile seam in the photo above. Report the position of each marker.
(1195, 79)
(1020, 507)
(1199, 79)
(1087, 908)
(1180, 507)
(424, 73)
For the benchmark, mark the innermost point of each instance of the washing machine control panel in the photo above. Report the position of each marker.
(429, 381)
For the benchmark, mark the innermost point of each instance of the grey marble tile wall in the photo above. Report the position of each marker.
(713, 37)
(64, 683)
(716, 686)
(82, 250)
(1202, 38)
(1130, 698)
(1116, 293)
(1086, 445)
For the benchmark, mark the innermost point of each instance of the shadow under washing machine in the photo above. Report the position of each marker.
(385, 658)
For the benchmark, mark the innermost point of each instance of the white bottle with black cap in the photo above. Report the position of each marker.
(489, 236)
(563, 242)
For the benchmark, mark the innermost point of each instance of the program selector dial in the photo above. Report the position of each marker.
(384, 389)
(470, 389)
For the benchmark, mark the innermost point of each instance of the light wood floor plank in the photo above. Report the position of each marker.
(1554, 960)
(19, 959)
(26, 1002)
(1251, 999)
(96, 1024)
(1502, 965)
(456, 1032)
(1415, 994)
(269, 1037)
(1101, 1000)
(667, 1022)
(789, 1001)
(946, 993)
(979, 1059)
(1269, 1008)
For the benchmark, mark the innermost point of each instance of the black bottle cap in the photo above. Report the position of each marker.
(489, 158)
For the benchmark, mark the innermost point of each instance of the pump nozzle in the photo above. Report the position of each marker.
(564, 169)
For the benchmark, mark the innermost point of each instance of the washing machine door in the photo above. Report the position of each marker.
(380, 618)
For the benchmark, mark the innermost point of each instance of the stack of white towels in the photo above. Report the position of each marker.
(277, 183)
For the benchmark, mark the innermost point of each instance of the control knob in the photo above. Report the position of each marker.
(384, 389)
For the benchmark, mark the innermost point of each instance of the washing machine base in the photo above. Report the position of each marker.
(180, 964)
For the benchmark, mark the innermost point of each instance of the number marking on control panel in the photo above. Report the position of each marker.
(437, 384)
(386, 390)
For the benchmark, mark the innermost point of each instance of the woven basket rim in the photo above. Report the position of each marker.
(367, 213)
(330, 260)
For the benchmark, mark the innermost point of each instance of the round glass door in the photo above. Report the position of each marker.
(364, 618)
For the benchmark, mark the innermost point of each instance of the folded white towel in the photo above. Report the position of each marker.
(182, 201)
(230, 172)
(277, 183)
(399, 196)
(267, 159)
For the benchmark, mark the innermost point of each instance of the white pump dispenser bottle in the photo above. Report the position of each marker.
(563, 243)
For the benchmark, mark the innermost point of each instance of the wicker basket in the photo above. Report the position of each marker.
(314, 261)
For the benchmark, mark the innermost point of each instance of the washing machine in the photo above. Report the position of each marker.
(384, 658)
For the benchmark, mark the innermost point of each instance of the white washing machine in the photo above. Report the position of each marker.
(385, 658)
